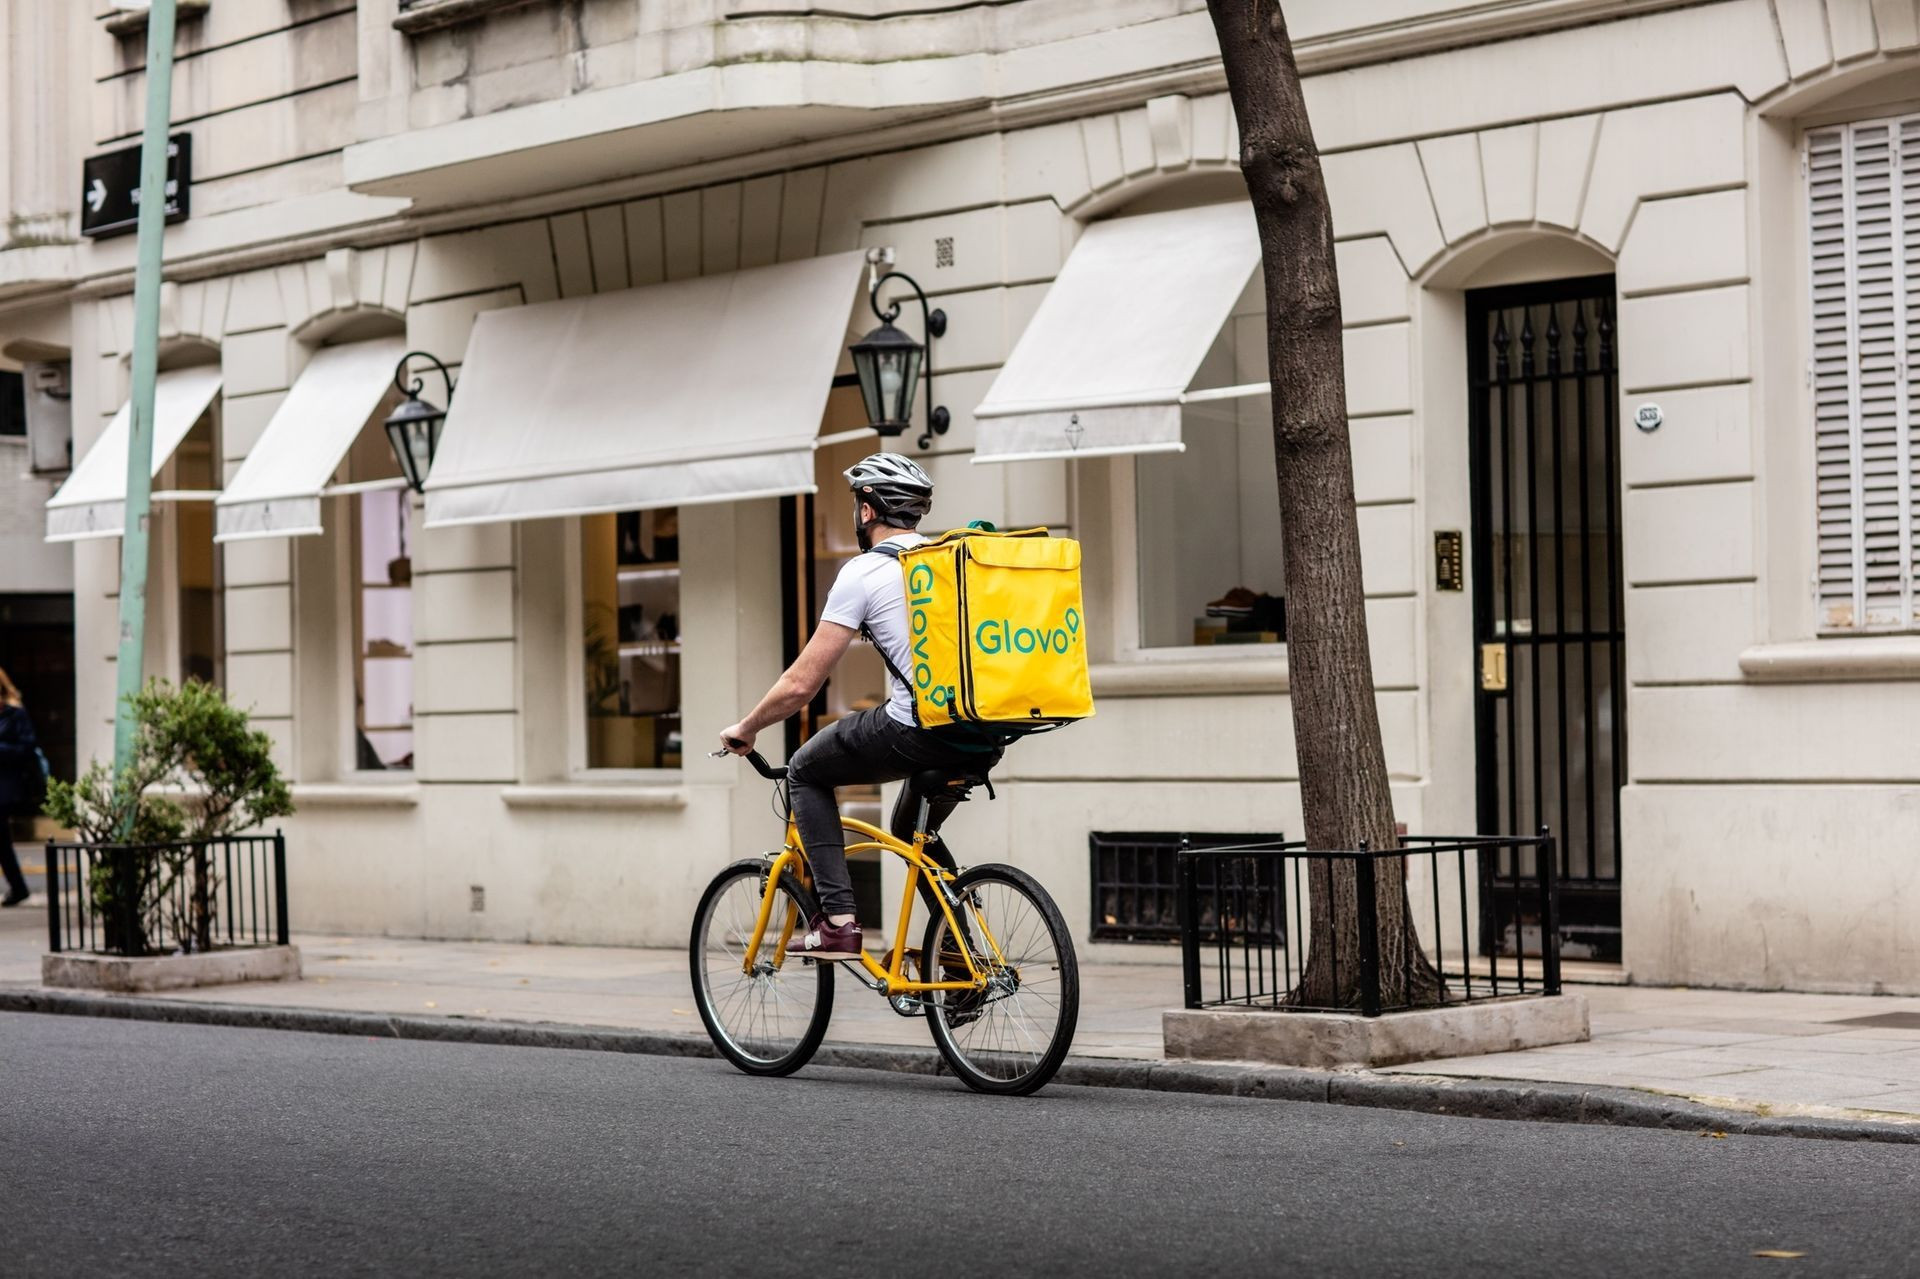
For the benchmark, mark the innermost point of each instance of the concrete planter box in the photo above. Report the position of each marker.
(1329, 1040)
(170, 972)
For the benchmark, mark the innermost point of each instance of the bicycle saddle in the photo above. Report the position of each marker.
(951, 782)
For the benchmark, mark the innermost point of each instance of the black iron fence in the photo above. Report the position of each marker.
(1246, 912)
(188, 895)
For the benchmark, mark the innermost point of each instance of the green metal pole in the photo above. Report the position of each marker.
(146, 364)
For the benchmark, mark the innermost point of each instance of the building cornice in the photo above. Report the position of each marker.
(1480, 23)
(1318, 55)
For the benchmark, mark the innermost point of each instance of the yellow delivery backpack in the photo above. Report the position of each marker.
(997, 631)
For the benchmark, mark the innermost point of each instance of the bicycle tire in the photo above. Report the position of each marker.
(978, 1059)
(792, 1052)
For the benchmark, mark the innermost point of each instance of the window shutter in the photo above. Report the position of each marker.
(1863, 189)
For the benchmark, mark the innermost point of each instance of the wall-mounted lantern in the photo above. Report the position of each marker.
(888, 362)
(413, 428)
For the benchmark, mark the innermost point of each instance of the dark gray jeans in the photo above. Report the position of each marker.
(867, 746)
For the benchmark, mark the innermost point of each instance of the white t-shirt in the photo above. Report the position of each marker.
(872, 590)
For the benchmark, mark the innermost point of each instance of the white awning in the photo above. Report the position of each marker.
(1104, 366)
(702, 390)
(92, 503)
(276, 492)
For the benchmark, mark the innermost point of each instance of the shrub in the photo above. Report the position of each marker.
(190, 736)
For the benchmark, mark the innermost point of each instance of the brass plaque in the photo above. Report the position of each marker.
(1449, 570)
(1493, 668)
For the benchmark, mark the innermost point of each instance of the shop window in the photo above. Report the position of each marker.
(199, 643)
(382, 617)
(1863, 216)
(1208, 519)
(630, 588)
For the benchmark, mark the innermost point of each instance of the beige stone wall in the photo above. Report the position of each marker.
(1454, 160)
(266, 88)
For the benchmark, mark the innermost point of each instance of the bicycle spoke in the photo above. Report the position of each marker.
(1015, 1024)
(763, 1012)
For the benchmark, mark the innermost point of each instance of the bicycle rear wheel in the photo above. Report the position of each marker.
(1010, 1038)
(766, 1020)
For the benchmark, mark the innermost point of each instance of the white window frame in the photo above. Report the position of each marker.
(1852, 613)
(576, 697)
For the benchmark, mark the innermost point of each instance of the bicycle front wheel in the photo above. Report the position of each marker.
(765, 1017)
(1011, 1037)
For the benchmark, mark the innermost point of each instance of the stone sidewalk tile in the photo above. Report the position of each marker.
(1795, 1086)
(1690, 1036)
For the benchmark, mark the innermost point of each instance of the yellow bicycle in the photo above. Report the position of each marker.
(995, 976)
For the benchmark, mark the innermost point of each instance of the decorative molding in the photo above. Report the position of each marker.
(431, 15)
(131, 21)
(1467, 24)
(1825, 661)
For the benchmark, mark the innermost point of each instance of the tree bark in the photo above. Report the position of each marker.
(1343, 770)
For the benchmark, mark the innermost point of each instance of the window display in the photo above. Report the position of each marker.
(382, 599)
(630, 569)
(193, 468)
(1211, 569)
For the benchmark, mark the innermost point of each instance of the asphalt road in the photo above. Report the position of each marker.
(140, 1149)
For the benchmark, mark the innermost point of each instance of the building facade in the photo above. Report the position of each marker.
(1632, 305)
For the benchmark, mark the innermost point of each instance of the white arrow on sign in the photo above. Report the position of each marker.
(97, 195)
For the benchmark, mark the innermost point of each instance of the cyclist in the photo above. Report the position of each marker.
(885, 743)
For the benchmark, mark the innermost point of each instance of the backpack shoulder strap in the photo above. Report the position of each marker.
(891, 550)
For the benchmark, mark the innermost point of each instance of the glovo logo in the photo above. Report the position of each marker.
(998, 635)
(919, 595)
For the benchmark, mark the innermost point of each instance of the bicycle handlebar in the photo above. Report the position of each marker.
(759, 763)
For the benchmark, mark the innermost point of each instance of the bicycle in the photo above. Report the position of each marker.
(1001, 991)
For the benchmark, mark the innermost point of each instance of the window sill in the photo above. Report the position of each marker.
(357, 794)
(431, 15)
(1212, 677)
(1878, 657)
(595, 795)
(129, 22)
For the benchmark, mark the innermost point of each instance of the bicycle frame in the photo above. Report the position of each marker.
(889, 978)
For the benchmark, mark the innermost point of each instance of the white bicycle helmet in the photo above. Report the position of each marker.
(893, 485)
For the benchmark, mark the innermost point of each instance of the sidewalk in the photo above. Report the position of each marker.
(1773, 1054)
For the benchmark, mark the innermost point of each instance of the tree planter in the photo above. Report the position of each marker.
(133, 975)
(1251, 992)
(1330, 1040)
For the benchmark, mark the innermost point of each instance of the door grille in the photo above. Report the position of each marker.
(1551, 722)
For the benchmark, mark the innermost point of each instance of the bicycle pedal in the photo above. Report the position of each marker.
(907, 1006)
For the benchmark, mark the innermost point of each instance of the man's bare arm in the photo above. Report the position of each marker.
(795, 688)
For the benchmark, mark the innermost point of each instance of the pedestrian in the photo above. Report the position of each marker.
(23, 782)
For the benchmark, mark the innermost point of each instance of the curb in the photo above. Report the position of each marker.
(1464, 1098)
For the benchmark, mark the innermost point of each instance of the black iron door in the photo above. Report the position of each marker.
(1551, 700)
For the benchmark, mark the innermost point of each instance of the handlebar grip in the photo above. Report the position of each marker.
(765, 770)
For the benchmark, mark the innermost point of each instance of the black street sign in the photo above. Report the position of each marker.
(110, 188)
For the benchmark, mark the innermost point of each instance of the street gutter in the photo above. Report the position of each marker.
(1465, 1098)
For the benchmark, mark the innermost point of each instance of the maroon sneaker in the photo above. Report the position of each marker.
(823, 941)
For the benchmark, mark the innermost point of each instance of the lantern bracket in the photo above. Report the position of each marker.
(935, 322)
(412, 389)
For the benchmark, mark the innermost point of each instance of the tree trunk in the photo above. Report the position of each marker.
(1343, 770)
